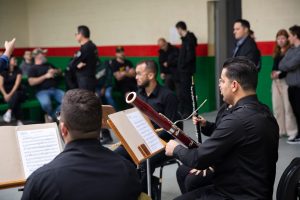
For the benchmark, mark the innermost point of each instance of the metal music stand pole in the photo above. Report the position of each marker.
(148, 177)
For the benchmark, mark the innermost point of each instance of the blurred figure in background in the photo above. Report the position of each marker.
(10, 87)
(45, 78)
(290, 63)
(186, 67)
(281, 105)
(245, 44)
(168, 60)
(27, 63)
(124, 72)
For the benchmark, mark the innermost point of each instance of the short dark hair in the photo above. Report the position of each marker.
(84, 30)
(181, 25)
(295, 30)
(81, 111)
(244, 23)
(150, 65)
(243, 70)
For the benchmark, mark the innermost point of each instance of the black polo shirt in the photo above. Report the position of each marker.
(84, 170)
(243, 150)
(163, 101)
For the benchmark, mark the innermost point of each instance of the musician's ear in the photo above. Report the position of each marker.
(234, 86)
(63, 129)
(151, 75)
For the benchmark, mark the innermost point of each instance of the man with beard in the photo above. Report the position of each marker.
(163, 101)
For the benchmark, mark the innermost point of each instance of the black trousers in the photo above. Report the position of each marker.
(15, 104)
(172, 83)
(185, 99)
(294, 97)
(204, 193)
(87, 83)
(188, 182)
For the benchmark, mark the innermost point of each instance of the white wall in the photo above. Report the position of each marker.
(13, 21)
(52, 23)
(112, 22)
(268, 16)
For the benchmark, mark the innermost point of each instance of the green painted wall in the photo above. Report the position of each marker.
(264, 81)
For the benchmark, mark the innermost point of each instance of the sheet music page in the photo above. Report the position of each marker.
(151, 139)
(38, 147)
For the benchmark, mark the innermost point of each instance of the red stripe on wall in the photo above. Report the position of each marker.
(266, 49)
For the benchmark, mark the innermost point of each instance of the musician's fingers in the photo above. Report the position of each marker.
(193, 171)
(204, 173)
(198, 172)
(211, 169)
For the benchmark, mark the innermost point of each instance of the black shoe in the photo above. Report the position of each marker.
(106, 137)
(295, 140)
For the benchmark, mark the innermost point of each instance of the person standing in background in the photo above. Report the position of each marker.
(245, 44)
(281, 105)
(186, 67)
(290, 63)
(85, 62)
(26, 63)
(168, 60)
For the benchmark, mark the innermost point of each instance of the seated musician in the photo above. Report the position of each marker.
(85, 169)
(243, 148)
(162, 100)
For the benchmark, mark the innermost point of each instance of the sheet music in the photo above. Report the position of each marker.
(37, 147)
(151, 139)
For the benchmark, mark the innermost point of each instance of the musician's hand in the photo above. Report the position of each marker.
(81, 65)
(200, 120)
(170, 147)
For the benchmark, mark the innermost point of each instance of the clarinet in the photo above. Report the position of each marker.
(161, 120)
(194, 101)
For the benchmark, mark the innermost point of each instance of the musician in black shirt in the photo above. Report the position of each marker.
(85, 169)
(243, 148)
(162, 100)
(85, 62)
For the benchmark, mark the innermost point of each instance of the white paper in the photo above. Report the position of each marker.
(143, 128)
(38, 147)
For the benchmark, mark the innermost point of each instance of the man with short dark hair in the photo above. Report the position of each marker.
(243, 148)
(291, 64)
(163, 101)
(85, 62)
(168, 60)
(85, 169)
(186, 67)
(245, 44)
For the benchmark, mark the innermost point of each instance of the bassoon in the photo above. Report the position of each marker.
(194, 101)
(161, 120)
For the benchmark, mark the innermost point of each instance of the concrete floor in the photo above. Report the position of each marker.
(170, 188)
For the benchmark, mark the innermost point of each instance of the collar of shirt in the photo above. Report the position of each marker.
(251, 99)
(154, 93)
(80, 142)
(241, 41)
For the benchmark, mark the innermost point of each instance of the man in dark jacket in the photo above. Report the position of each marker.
(85, 62)
(186, 67)
(168, 60)
(243, 148)
(245, 44)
